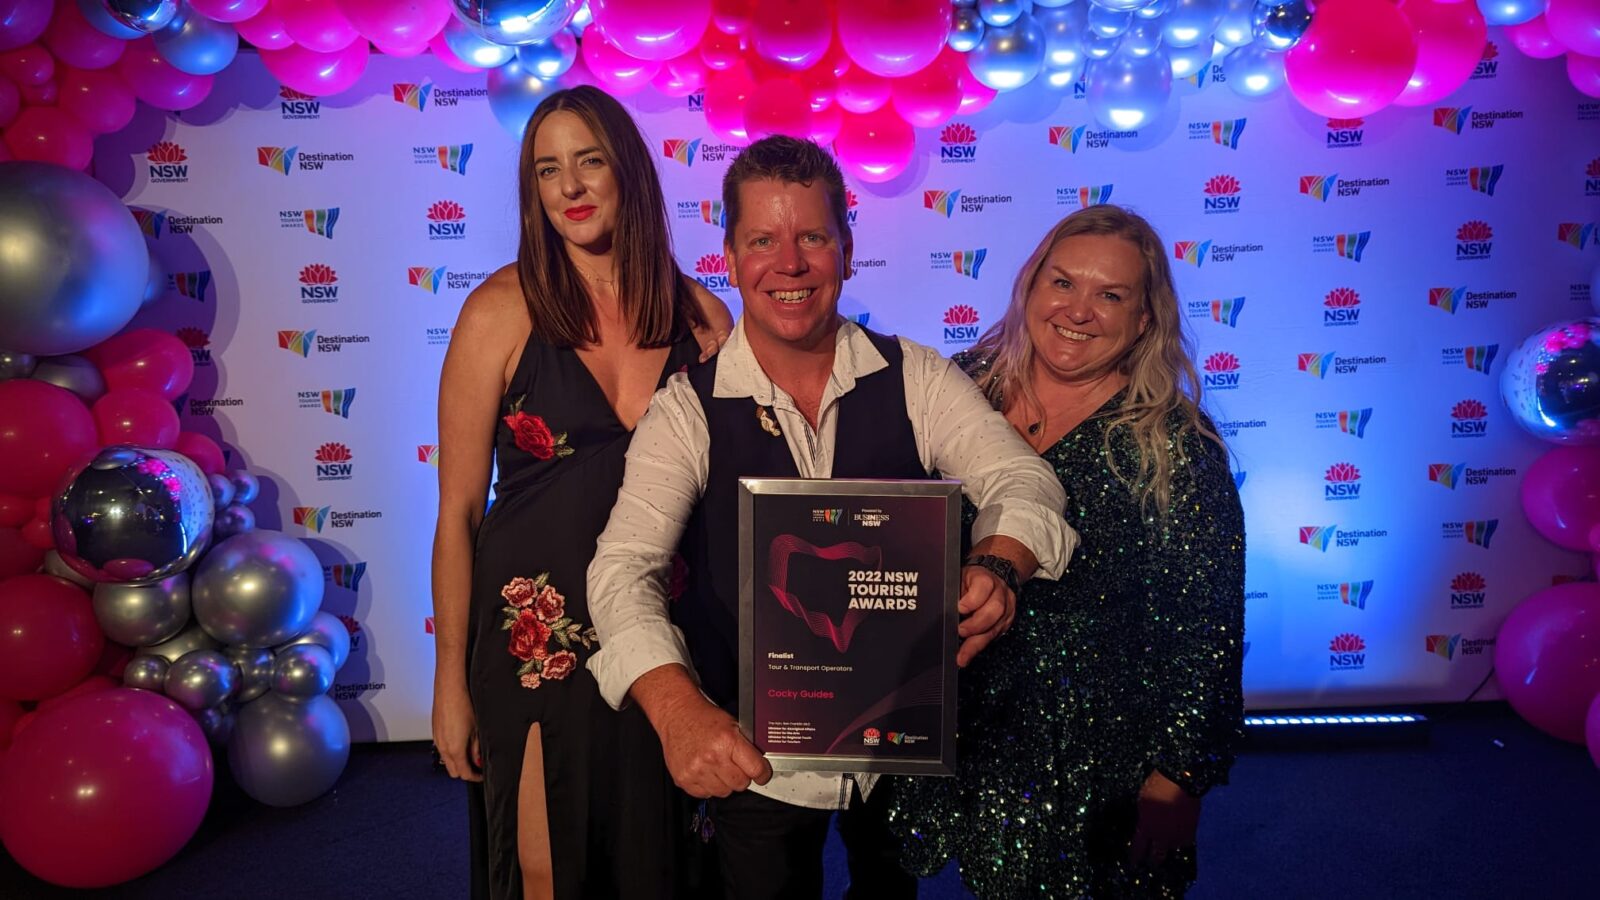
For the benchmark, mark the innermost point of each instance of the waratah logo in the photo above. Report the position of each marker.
(165, 152)
(1318, 364)
(1591, 184)
(711, 270)
(1487, 65)
(1442, 644)
(446, 211)
(167, 163)
(197, 341)
(429, 279)
(1343, 482)
(1222, 371)
(1446, 474)
(1470, 419)
(1345, 132)
(1452, 119)
(1468, 581)
(278, 159)
(190, 284)
(333, 452)
(681, 150)
(1341, 307)
(413, 95)
(871, 736)
(1222, 194)
(312, 517)
(1474, 230)
(958, 143)
(1347, 643)
(1193, 252)
(1445, 298)
(942, 202)
(318, 284)
(1575, 234)
(1317, 186)
(961, 314)
(297, 341)
(294, 105)
(1347, 651)
(446, 221)
(333, 462)
(1468, 590)
(1317, 536)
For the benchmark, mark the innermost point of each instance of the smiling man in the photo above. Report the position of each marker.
(796, 392)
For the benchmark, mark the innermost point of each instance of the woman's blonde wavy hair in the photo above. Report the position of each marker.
(1160, 368)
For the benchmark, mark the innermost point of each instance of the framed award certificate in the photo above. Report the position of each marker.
(847, 623)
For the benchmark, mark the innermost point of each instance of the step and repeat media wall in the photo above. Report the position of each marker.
(1354, 288)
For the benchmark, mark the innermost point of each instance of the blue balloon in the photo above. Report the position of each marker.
(474, 49)
(1509, 12)
(515, 22)
(142, 16)
(198, 45)
(1143, 39)
(1009, 57)
(549, 59)
(1097, 47)
(1061, 77)
(1154, 10)
(1254, 70)
(1001, 13)
(1191, 22)
(966, 30)
(1282, 26)
(1237, 27)
(1127, 93)
(1108, 22)
(514, 92)
(1126, 6)
(96, 14)
(1063, 37)
(1043, 4)
(1186, 61)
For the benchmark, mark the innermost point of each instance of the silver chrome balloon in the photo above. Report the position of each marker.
(217, 723)
(201, 679)
(74, 267)
(147, 673)
(257, 589)
(246, 487)
(474, 49)
(191, 638)
(303, 671)
(1237, 27)
(155, 284)
(143, 16)
(1001, 13)
(1191, 22)
(221, 489)
(515, 22)
(1009, 57)
(1254, 70)
(1282, 25)
(255, 665)
(1143, 39)
(1063, 36)
(1108, 23)
(330, 633)
(286, 752)
(1551, 382)
(16, 365)
(74, 373)
(551, 58)
(1129, 93)
(966, 30)
(198, 45)
(234, 520)
(133, 514)
(143, 613)
(514, 92)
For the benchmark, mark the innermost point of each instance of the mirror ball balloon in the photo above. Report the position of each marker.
(133, 514)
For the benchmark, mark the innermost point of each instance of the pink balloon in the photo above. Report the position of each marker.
(18, 556)
(105, 788)
(144, 358)
(23, 22)
(30, 65)
(929, 97)
(731, 16)
(975, 95)
(46, 134)
(1357, 56)
(44, 431)
(40, 94)
(1591, 730)
(442, 50)
(49, 640)
(10, 102)
(1534, 39)
(1561, 496)
(77, 43)
(157, 82)
(399, 29)
(681, 76)
(620, 73)
(1547, 658)
(727, 96)
(820, 84)
(650, 29)
(227, 10)
(791, 33)
(893, 38)
(316, 24)
(203, 451)
(1450, 39)
(265, 30)
(1584, 73)
(318, 74)
(39, 535)
(15, 510)
(720, 51)
(875, 146)
(90, 685)
(825, 124)
(10, 712)
(136, 416)
(861, 91)
(98, 99)
(777, 106)
(1575, 23)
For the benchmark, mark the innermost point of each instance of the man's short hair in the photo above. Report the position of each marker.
(786, 160)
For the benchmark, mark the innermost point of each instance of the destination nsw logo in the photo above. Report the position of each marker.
(334, 462)
(1222, 194)
(960, 324)
(1479, 533)
(294, 105)
(1350, 421)
(1452, 474)
(301, 342)
(1341, 306)
(1221, 372)
(1321, 536)
(946, 203)
(168, 163)
(711, 270)
(1468, 590)
(1469, 419)
(1347, 651)
(1343, 482)
(447, 221)
(1457, 119)
(1321, 364)
(1350, 593)
(1321, 187)
(1474, 240)
(958, 143)
(334, 401)
(316, 518)
(1071, 138)
(1574, 234)
(319, 284)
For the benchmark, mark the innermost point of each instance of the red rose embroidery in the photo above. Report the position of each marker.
(520, 592)
(529, 637)
(560, 665)
(531, 435)
(549, 605)
(530, 680)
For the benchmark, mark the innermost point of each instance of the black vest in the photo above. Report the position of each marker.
(874, 440)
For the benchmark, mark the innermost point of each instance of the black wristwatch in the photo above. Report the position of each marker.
(1002, 569)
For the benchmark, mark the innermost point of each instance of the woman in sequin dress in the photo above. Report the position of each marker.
(1090, 732)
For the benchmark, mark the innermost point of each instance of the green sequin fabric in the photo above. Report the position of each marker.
(1130, 662)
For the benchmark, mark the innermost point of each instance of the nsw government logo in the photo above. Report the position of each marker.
(1341, 306)
(851, 204)
(1223, 312)
(1342, 482)
(1469, 419)
(333, 401)
(319, 284)
(1350, 421)
(334, 462)
(1350, 593)
(1221, 372)
(1479, 358)
(1474, 240)
(871, 737)
(1224, 132)
(190, 284)
(1477, 533)
(1084, 197)
(447, 221)
(1345, 132)
(1489, 63)
(294, 105)
(1483, 179)
(1222, 194)
(316, 221)
(961, 262)
(168, 163)
(711, 270)
(958, 143)
(1347, 651)
(960, 324)
(1347, 246)
(198, 342)
(1468, 590)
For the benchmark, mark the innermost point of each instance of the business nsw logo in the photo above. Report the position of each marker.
(334, 402)
(711, 270)
(316, 221)
(1343, 482)
(428, 454)
(1341, 306)
(708, 211)
(961, 262)
(278, 159)
(1224, 132)
(1349, 593)
(1192, 252)
(1469, 419)
(413, 95)
(190, 284)
(1488, 64)
(1222, 194)
(428, 279)
(311, 517)
(1482, 179)
(345, 575)
(198, 343)
(1478, 359)
(149, 220)
(297, 342)
(168, 163)
(1084, 197)
(1442, 644)
(1474, 240)
(1347, 246)
(941, 202)
(1317, 186)
(682, 150)
(1468, 590)
(1347, 652)
(334, 462)
(1221, 372)
(1573, 234)
(1223, 312)
(319, 284)
(1350, 421)
(1345, 132)
(447, 221)
(1477, 533)
(960, 324)
(294, 105)
(958, 143)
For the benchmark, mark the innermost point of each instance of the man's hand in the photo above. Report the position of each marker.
(1169, 818)
(705, 751)
(988, 608)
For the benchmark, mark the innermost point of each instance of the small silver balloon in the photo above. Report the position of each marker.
(1125, 6)
(143, 613)
(1510, 12)
(582, 18)
(551, 58)
(1108, 22)
(189, 639)
(73, 373)
(1128, 93)
(257, 589)
(255, 665)
(1550, 382)
(1186, 61)
(236, 519)
(1097, 47)
(303, 671)
(155, 286)
(1281, 27)
(1063, 77)
(246, 488)
(133, 514)
(1237, 27)
(1254, 70)
(1009, 57)
(143, 16)
(217, 724)
(1063, 36)
(514, 92)
(221, 489)
(1191, 22)
(201, 679)
(329, 633)
(1143, 39)
(1047, 4)
(198, 45)
(474, 49)
(286, 752)
(515, 22)
(148, 673)
(16, 365)
(1001, 13)
(55, 565)
(94, 12)
(966, 30)
(1154, 10)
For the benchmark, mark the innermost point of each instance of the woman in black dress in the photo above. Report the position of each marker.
(552, 363)
(1089, 733)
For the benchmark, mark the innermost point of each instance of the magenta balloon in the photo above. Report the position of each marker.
(620, 73)
(147, 358)
(928, 98)
(1547, 658)
(793, 34)
(98, 99)
(1354, 60)
(1575, 23)
(825, 124)
(1584, 73)
(399, 28)
(316, 24)
(265, 30)
(441, 49)
(777, 106)
(861, 91)
(650, 29)
(975, 95)
(157, 82)
(104, 788)
(10, 102)
(22, 21)
(227, 10)
(44, 431)
(136, 416)
(1534, 39)
(893, 38)
(727, 94)
(30, 65)
(1561, 495)
(49, 640)
(46, 134)
(74, 42)
(720, 51)
(1450, 39)
(681, 76)
(317, 74)
(1591, 730)
(875, 146)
